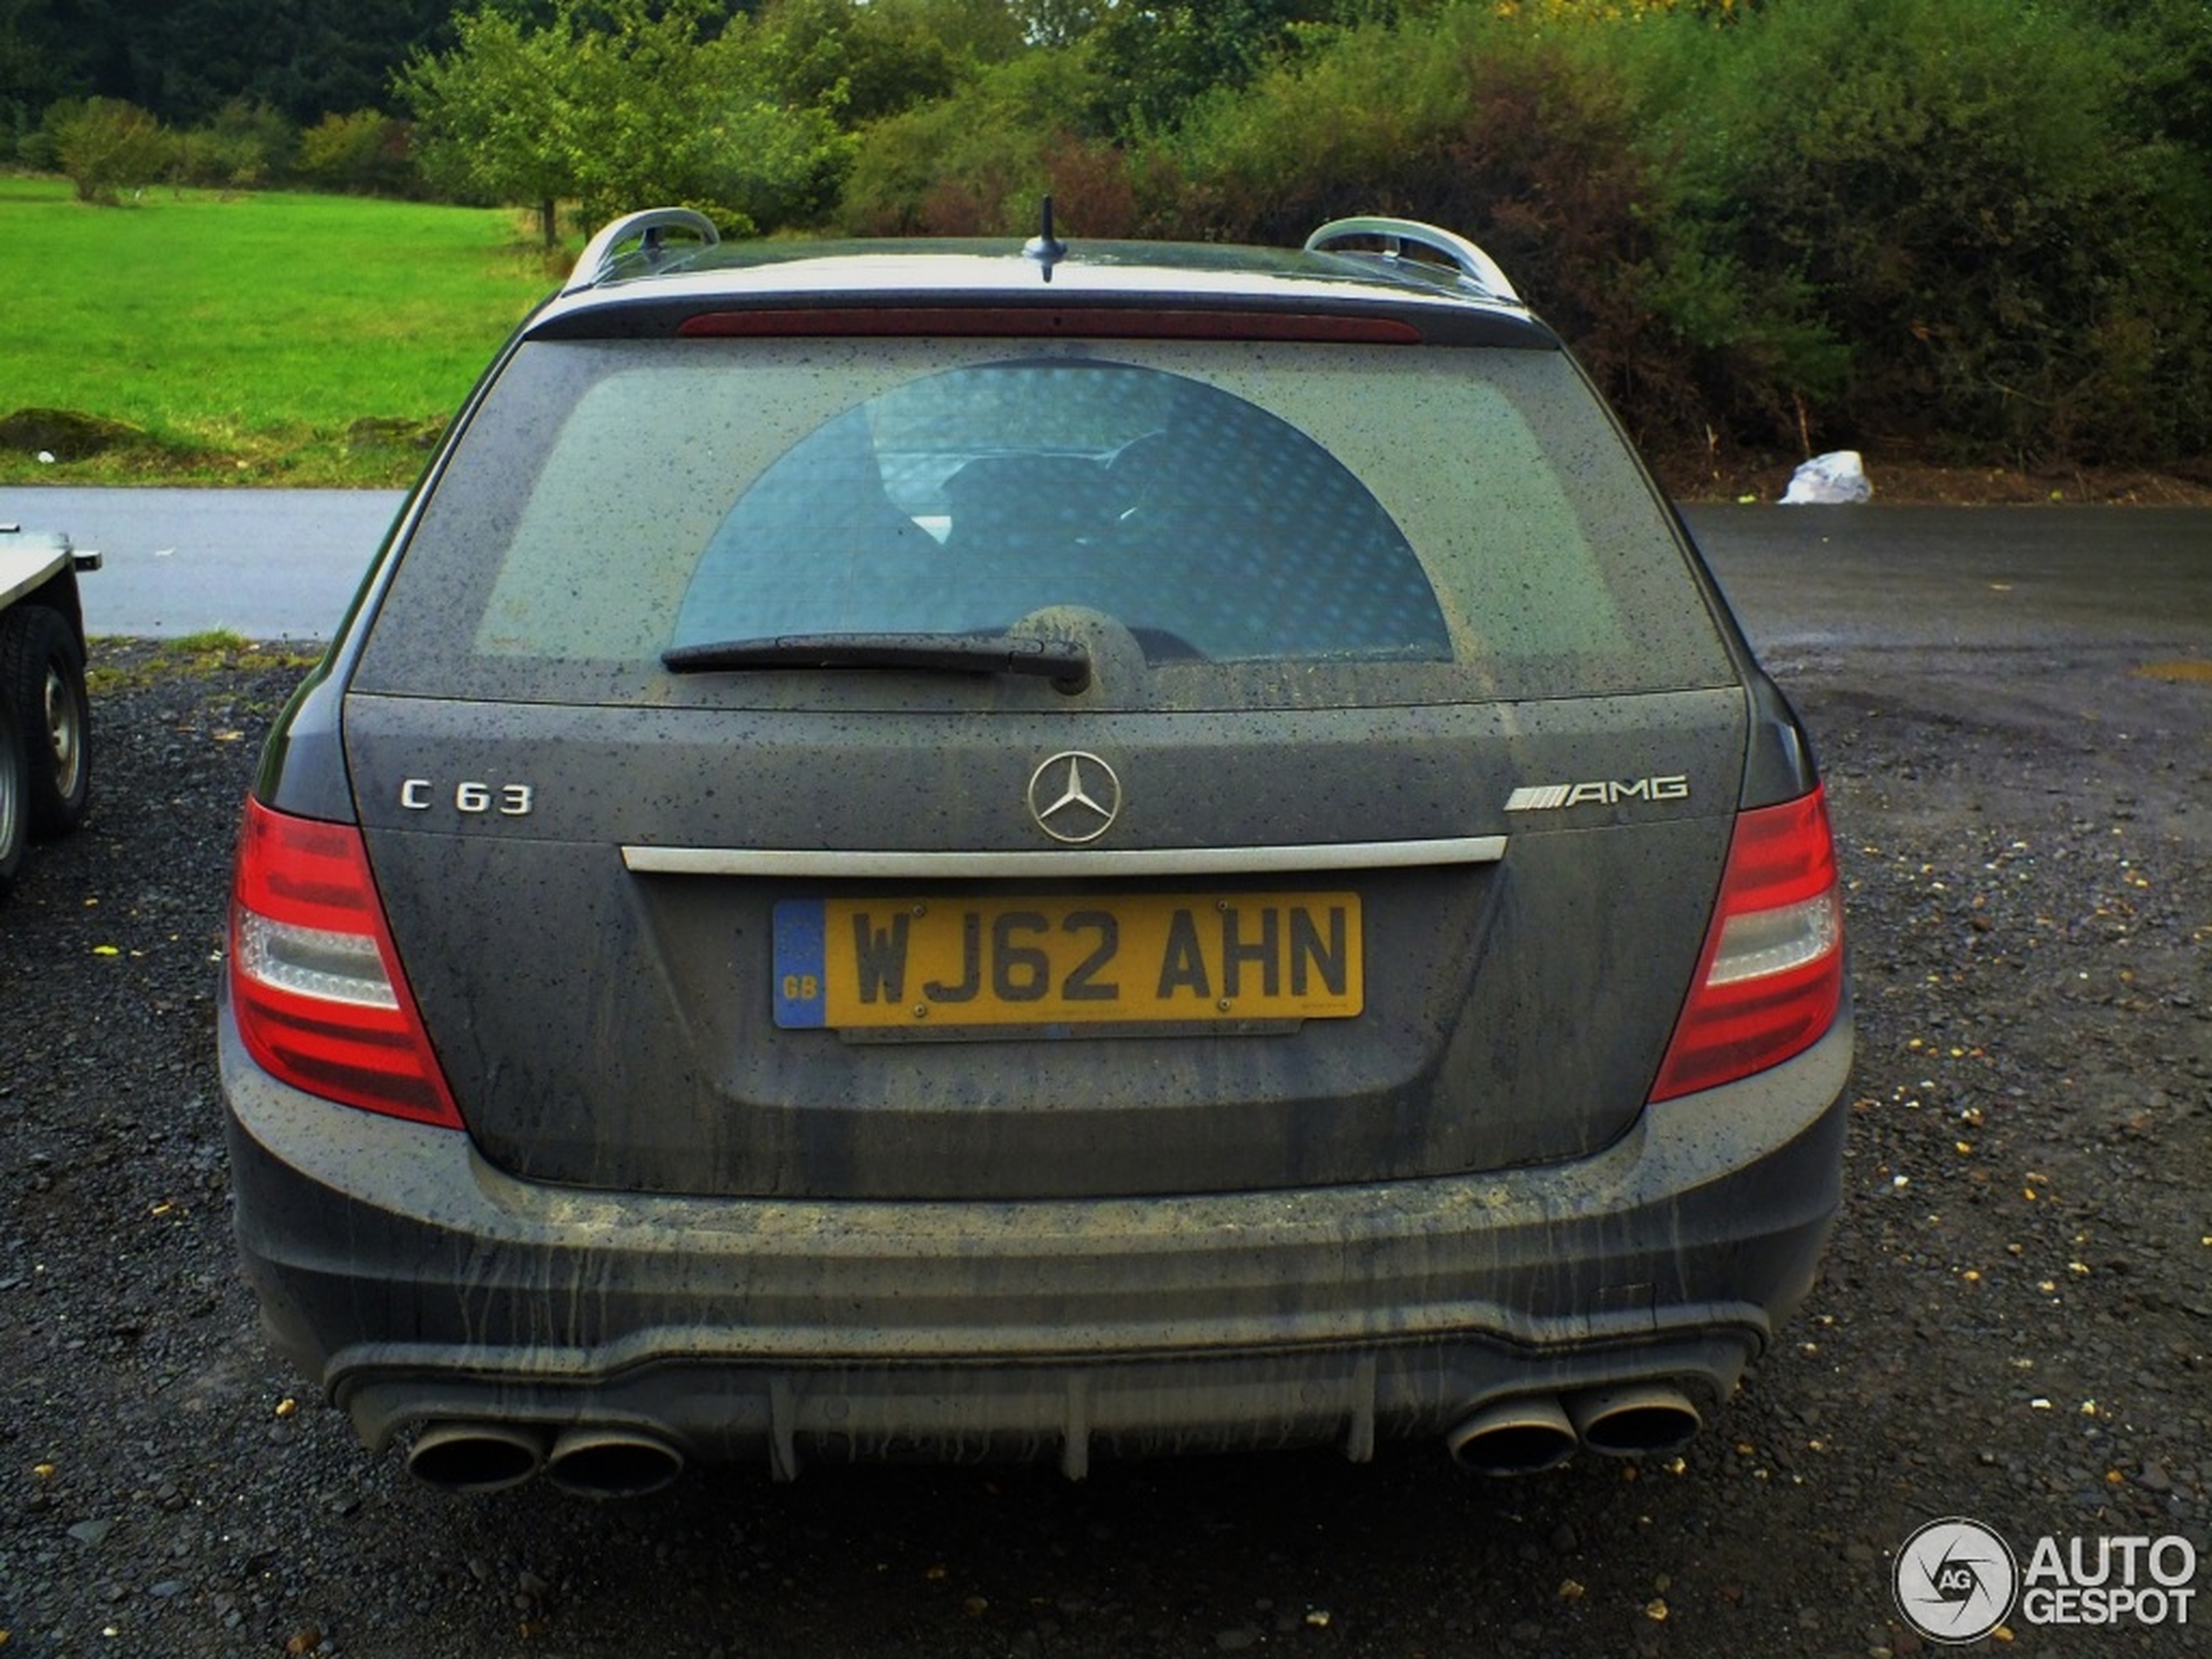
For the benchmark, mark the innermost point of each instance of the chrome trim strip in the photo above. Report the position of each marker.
(825, 864)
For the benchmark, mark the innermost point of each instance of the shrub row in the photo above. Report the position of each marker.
(1971, 229)
(1979, 230)
(111, 149)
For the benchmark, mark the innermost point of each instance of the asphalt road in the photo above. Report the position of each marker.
(281, 564)
(267, 563)
(1984, 577)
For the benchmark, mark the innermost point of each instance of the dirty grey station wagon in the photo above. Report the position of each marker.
(952, 850)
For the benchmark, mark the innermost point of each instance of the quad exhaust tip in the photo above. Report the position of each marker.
(590, 1462)
(1536, 1432)
(612, 1463)
(476, 1457)
(1513, 1437)
(1635, 1420)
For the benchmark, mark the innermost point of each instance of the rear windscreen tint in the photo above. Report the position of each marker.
(1235, 524)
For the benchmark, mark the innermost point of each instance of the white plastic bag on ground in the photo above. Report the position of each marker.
(1833, 479)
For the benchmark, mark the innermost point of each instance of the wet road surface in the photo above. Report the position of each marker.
(281, 564)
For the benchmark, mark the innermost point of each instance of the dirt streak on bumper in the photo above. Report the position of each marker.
(393, 1262)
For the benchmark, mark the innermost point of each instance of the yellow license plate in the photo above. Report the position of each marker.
(914, 964)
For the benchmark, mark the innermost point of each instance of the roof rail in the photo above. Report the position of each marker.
(648, 229)
(1395, 235)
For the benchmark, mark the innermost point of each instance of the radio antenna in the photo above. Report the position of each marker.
(1044, 248)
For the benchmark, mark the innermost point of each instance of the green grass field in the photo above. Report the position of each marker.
(245, 336)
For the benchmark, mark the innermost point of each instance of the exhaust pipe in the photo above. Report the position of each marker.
(612, 1463)
(1513, 1437)
(476, 1457)
(1634, 1420)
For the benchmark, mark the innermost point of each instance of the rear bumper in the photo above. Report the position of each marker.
(416, 1283)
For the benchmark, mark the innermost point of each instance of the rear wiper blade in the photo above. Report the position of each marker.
(1066, 663)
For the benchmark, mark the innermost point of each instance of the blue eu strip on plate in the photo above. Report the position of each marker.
(799, 982)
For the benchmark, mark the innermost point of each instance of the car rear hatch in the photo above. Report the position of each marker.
(1328, 779)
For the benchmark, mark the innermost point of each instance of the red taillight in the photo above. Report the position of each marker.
(1771, 977)
(315, 985)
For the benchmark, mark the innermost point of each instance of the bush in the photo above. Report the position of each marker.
(106, 146)
(1928, 222)
(976, 162)
(260, 141)
(215, 160)
(1356, 127)
(1524, 138)
(1972, 228)
(365, 153)
(37, 152)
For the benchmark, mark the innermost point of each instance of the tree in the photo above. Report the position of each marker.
(1161, 58)
(874, 60)
(1057, 22)
(490, 114)
(615, 105)
(55, 50)
(32, 73)
(184, 60)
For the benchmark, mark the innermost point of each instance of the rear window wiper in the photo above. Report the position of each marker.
(1066, 663)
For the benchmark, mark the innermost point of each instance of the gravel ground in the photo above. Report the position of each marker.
(2014, 1323)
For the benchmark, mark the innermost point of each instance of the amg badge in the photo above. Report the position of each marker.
(1544, 797)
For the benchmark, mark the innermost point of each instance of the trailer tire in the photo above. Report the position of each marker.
(14, 832)
(42, 678)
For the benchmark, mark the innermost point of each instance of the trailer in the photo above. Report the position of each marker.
(45, 716)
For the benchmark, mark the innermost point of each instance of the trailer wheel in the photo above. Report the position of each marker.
(41, 678)
(13, 830)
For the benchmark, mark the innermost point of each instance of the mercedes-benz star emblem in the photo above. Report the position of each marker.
(1074, 796)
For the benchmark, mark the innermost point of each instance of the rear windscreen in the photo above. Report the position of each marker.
(1231, 524)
